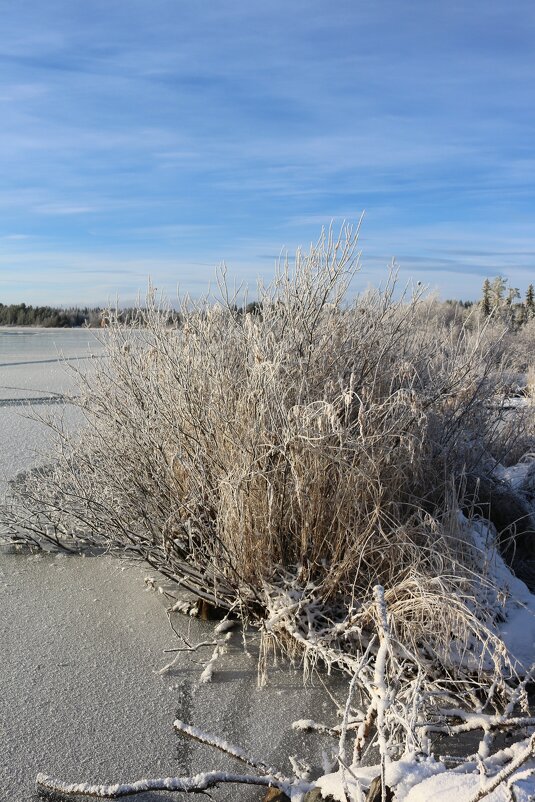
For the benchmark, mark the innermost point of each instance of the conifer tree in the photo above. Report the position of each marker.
(530, 302)
(498, 290)
(486, 305)
(512, 294)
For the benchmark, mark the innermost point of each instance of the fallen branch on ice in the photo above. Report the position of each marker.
(187, 785)
(229, 749)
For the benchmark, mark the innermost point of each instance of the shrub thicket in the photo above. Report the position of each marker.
(310, 443)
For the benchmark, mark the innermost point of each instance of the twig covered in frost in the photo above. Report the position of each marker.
(376, 688)
(225, 626)
(347, 710)
(294, 788)
(224, 746)
(191, 648)
(519, 695)
(200, 782)
(381, 690)
(220, 645)
(309, 725)
(475, 721)
(179, 651)
(220, 648)
(358, 786)
(506, 772)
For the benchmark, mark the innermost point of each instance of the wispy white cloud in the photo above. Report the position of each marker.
(222, 130)
(61, 209)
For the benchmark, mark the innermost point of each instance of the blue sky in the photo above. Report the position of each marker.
(161, 138)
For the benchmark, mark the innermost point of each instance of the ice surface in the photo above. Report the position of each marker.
(33, 345)
(82, 642)
(33, 378)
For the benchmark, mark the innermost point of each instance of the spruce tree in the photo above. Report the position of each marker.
(486, 306)
(530, 302)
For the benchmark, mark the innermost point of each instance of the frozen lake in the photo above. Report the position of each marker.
(83, 640)
(34, 375)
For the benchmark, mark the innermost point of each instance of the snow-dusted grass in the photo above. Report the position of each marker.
(530, 383)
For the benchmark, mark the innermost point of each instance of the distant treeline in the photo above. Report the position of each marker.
(48, 316)
(55, 317)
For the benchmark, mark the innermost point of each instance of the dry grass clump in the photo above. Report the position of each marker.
(313, 437)
(530, 382)
(519, 346)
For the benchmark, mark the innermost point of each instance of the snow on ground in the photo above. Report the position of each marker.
(518, 629)
(428, 781)
(82, 643)
(518, 604)
(514, 474)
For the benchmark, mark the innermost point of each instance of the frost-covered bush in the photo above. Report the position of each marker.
(306, 451)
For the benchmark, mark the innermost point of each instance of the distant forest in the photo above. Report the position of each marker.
(48, 316)
(55, 317)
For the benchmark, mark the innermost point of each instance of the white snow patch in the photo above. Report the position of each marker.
(518, 604)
